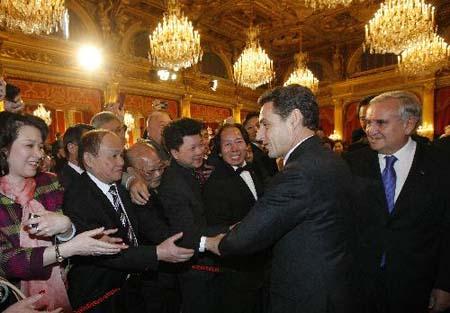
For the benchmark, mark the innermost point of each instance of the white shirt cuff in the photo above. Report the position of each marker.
(63, 239)
(202, 245)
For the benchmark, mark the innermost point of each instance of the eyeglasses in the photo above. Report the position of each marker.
(152, 171)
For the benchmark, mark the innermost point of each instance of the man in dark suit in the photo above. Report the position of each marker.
(160, 289)
(305, 212)
(359, 137)
(181, 197)
(229, 194)
(262, 163)
(71, 141)
(403, 209)
(111, 284)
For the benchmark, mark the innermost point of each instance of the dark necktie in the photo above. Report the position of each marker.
(389, 181)
(241, 169)
(122, 216)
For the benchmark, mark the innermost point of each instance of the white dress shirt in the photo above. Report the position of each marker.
(103, 187)
(245, 175)
(75, 167)
(405, 157)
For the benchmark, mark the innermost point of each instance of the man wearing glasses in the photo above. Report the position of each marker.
(160, 289)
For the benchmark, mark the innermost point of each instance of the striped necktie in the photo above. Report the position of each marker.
(118, 206)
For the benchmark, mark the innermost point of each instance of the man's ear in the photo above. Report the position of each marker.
(410, 125)
(175, 153)
(295, 118)
(88, 160)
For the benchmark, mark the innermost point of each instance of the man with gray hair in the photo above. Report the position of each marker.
(403, 211)
(109, 121)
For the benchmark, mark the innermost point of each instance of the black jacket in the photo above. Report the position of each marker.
(416, 236)
(306, 214)
(92, 277)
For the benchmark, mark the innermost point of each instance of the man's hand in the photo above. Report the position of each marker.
(138, 191)
(169, 252)
(212, 243)
(106, 236)
(207, 170)
(28, 306)
(439, 301)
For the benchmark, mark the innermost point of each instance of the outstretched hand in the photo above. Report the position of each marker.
(86, 244)
(212, 243)
(169, 252)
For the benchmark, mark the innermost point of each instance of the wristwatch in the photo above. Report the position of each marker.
(59, 257)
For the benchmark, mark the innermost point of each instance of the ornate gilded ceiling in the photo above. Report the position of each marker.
(330, 36)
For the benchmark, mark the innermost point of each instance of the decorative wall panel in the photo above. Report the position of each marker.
(351, 121)
(441, 109)
(326, 119)
(208, 113)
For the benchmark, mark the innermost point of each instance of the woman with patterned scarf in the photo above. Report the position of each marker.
(35, 237)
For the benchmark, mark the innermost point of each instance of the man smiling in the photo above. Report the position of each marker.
(305, 212)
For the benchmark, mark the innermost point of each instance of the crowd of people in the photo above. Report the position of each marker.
(266, 216)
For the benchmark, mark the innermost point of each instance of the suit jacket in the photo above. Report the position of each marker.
(181, 196)
(67, 175)
(228, 200)
(416, 236)
(306, 214)
(90, 278)
(443, 144)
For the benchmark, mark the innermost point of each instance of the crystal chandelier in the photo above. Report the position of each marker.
(397, 24)
(302, 75)
(43, 114)
(424, 57)
(253, 67)
(35, 16)
(174, 44)
(326, 4)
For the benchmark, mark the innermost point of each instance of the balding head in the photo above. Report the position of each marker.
(145, 161)
(156, 122)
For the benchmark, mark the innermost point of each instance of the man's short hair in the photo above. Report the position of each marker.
(235, 125)
(73, 134)
(90, 142)
(156, 112)
(410, 105)
(250, 116)
(364, 102)
(101, 118)
(174, 132)
(288, 98)
(131, 154)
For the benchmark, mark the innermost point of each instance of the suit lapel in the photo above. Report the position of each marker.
(237, 179)
(106, 205)
(415, 178)
(378, 187)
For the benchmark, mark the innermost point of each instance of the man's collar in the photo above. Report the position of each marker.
(104, 187)
(236, 167)
(75, 167)
(403, 151)
(286, 157)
